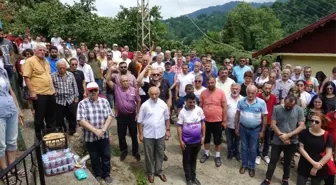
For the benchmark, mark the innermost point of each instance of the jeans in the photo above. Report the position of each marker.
(249, 144)
(301, 180)
(44, 108)
(154, 153)
(100, 84)
(190, 160)
(124, 122)
(289, 151)
(266, 143)
(233, 142)
(10, 72)
(8, 133)
(100, 156)
(110, 99)
(69, 112)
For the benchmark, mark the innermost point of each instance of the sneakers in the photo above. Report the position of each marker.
(257, 161)
(197, 182)
(218, 161)
(266, 182)
(108, 180)
(267, 159)
(204, 158)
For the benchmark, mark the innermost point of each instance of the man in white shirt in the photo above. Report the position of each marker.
(223, 81)
(154, 127)
(55, 40)
(116, 52)
(86, 69)
(197, 69)
(159, 63)
(157, 51)
(231, 137)
(182, 80)
(25, 45)
(124, 58)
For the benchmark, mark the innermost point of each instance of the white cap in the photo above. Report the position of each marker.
(115, 44)
(92, 85)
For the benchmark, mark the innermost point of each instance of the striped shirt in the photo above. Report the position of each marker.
(96, 113)
(251, 114)
(65, 87)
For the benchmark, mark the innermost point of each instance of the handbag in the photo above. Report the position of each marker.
(330, 163)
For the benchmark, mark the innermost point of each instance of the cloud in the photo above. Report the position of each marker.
(169, 8)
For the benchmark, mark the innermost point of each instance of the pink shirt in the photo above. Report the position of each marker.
(211, 103)
(177, 70)
(126, 101)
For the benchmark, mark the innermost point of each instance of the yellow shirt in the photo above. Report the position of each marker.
(39, 74)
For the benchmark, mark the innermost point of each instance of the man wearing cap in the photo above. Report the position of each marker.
(94, 114)
(116, 52)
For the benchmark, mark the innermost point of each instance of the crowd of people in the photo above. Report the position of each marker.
(258, 107)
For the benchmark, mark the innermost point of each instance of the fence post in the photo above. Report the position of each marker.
(40, 163)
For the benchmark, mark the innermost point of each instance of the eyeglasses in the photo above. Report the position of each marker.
(315, 121)
(156, 74)
(299, 85)
(198, 81)
(93, 90)
(74, 64)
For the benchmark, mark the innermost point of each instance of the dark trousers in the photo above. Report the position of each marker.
(330, 180)
(190, 160)
(69, 112)
(233, 142)
(44, 108)
(10, 72)
(267, 140)
(124, 122)
(301, 180)
(100, 156)
(289, 151)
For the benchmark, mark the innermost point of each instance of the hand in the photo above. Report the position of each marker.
(224, 124)
(261, 135)
(287, 142)
(237, 131)
(284, 137)
(14, 69)
(313, 172)
(141, 138)
(20, 115)
(317, 165)
(176, 98)
(99, 133)
(76, 100)
(33, 95)
(84, 95)
(183, 145)
(167, 135)
(136, 117)
(202, 141)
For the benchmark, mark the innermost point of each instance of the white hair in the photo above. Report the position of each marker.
(40, 45)
(61, 61)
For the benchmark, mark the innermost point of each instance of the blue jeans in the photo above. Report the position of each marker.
(267, 140)
(249, 144)
(110, 99)
(233, 142)
(8, 133)
(10, 72)
(100, 84)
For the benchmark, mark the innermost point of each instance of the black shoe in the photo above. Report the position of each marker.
(204, 158)
(284, 182)
(123, 156)
(196, 181)
(251, 172)
(266, 182)
(218, 161)
(229, 157)
(190, 182)
(137, 157)
(238, 158)
(165, 158)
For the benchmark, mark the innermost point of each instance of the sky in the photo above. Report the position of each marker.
(169, 8)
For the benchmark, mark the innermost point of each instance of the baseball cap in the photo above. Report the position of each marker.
(115, 45)
(92, 85)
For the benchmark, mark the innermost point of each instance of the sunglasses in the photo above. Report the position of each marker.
(198, 81)
(156, 74)
(93, 90)
(315, 121)
(74, 64)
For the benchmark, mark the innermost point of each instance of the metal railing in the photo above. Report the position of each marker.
(17, 173)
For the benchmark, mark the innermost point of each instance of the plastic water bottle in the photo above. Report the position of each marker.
(27, 122)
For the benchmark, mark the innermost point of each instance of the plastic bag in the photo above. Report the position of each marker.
(80, 174)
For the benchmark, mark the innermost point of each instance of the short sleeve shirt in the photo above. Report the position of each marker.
(211, 103)
(231, 110)
(191, 122)
(184, 80)
(6, 47)
(251, 114)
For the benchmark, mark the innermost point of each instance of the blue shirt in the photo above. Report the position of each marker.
(238, 72)
(7, 105)
(250, 114)
(170, 77)
(191, 66)
(52, 63)
(195, 59)
(205, 78)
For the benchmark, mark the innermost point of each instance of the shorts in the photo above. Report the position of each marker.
(180, 102)
(214, 129)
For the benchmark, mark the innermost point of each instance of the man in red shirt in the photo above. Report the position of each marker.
(271, 101)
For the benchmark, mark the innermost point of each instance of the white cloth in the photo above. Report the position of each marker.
(23, 46)
(226, 86)
(1, 62)
(88, 73)
(305, 99)
(260, 82)
(128, 61)
(194, 116)
(55, 41)
(153, 118)
(21, 63)
(141, 91)
(231, 110)
(157, 65)
(184, 80)
(198, 92)
(116, 55)
(103, 65)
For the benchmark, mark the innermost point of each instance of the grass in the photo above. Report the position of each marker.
(115, 152)
(138, 171)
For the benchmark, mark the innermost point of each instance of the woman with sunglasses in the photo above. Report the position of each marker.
(328, 96)
(315, 107)
(304, 96)
(198, 86)
(313, 142)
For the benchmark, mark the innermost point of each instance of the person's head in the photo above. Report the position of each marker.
(26, 53)
(67, 53)
(297, 70)
(159, 58)
(92, 56)
(124, 81)
(126, 48)
(189, 88)
(198, 80)
(109, 56)
(168, 66)
(69, 39)
(229, 67)
(154, 93)
(190, 101)
(285, 74)
(158, 49)
(290, 102)
(179, 61)
(61, 67)
(78, 51)
(185, 68)
(309, 86)
(223, 72)
(226, 62)
(102, 53)
(40, 50)
(124, 55)
(82, 59)
(123, 68)
(38, 39)
(155, 75)
(307, 71)
(288, 66)
(115, 47)
(267, 88)
(319, 121)
(272, 77)
(334, 72)
(235, 90)
(242, 62)
(251, 91)
(197, 67)
(264, 63)
(329, 88)
(193, 54)
(187, 58)
(209, 54)
(73, 64)
(25, 40)
(203, 59)
(248, 77)
(63, 44)
(53, 52)
(248, 61)
(144, 60)
(316, 103)
(167, 55)
(92, 90)
(207, 67)
(300, 84)
(211, 83)
(320, 76)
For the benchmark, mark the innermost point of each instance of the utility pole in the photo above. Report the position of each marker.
(143, 24)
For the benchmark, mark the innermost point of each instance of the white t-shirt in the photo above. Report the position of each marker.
(199, 91)
(103, 65)
(141, 91)
(1, 63)
(231, 110)
(116, 55)
(305, 99)
(259, 81)
(183, 81)
(21, 63)
(23, 46)
(55, 41)
(157, 65)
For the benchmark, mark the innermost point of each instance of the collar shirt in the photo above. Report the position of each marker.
(65, 87)
(88, 73)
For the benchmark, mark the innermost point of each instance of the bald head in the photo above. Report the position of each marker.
(251, 92)
(154, 93)
(124, 81)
